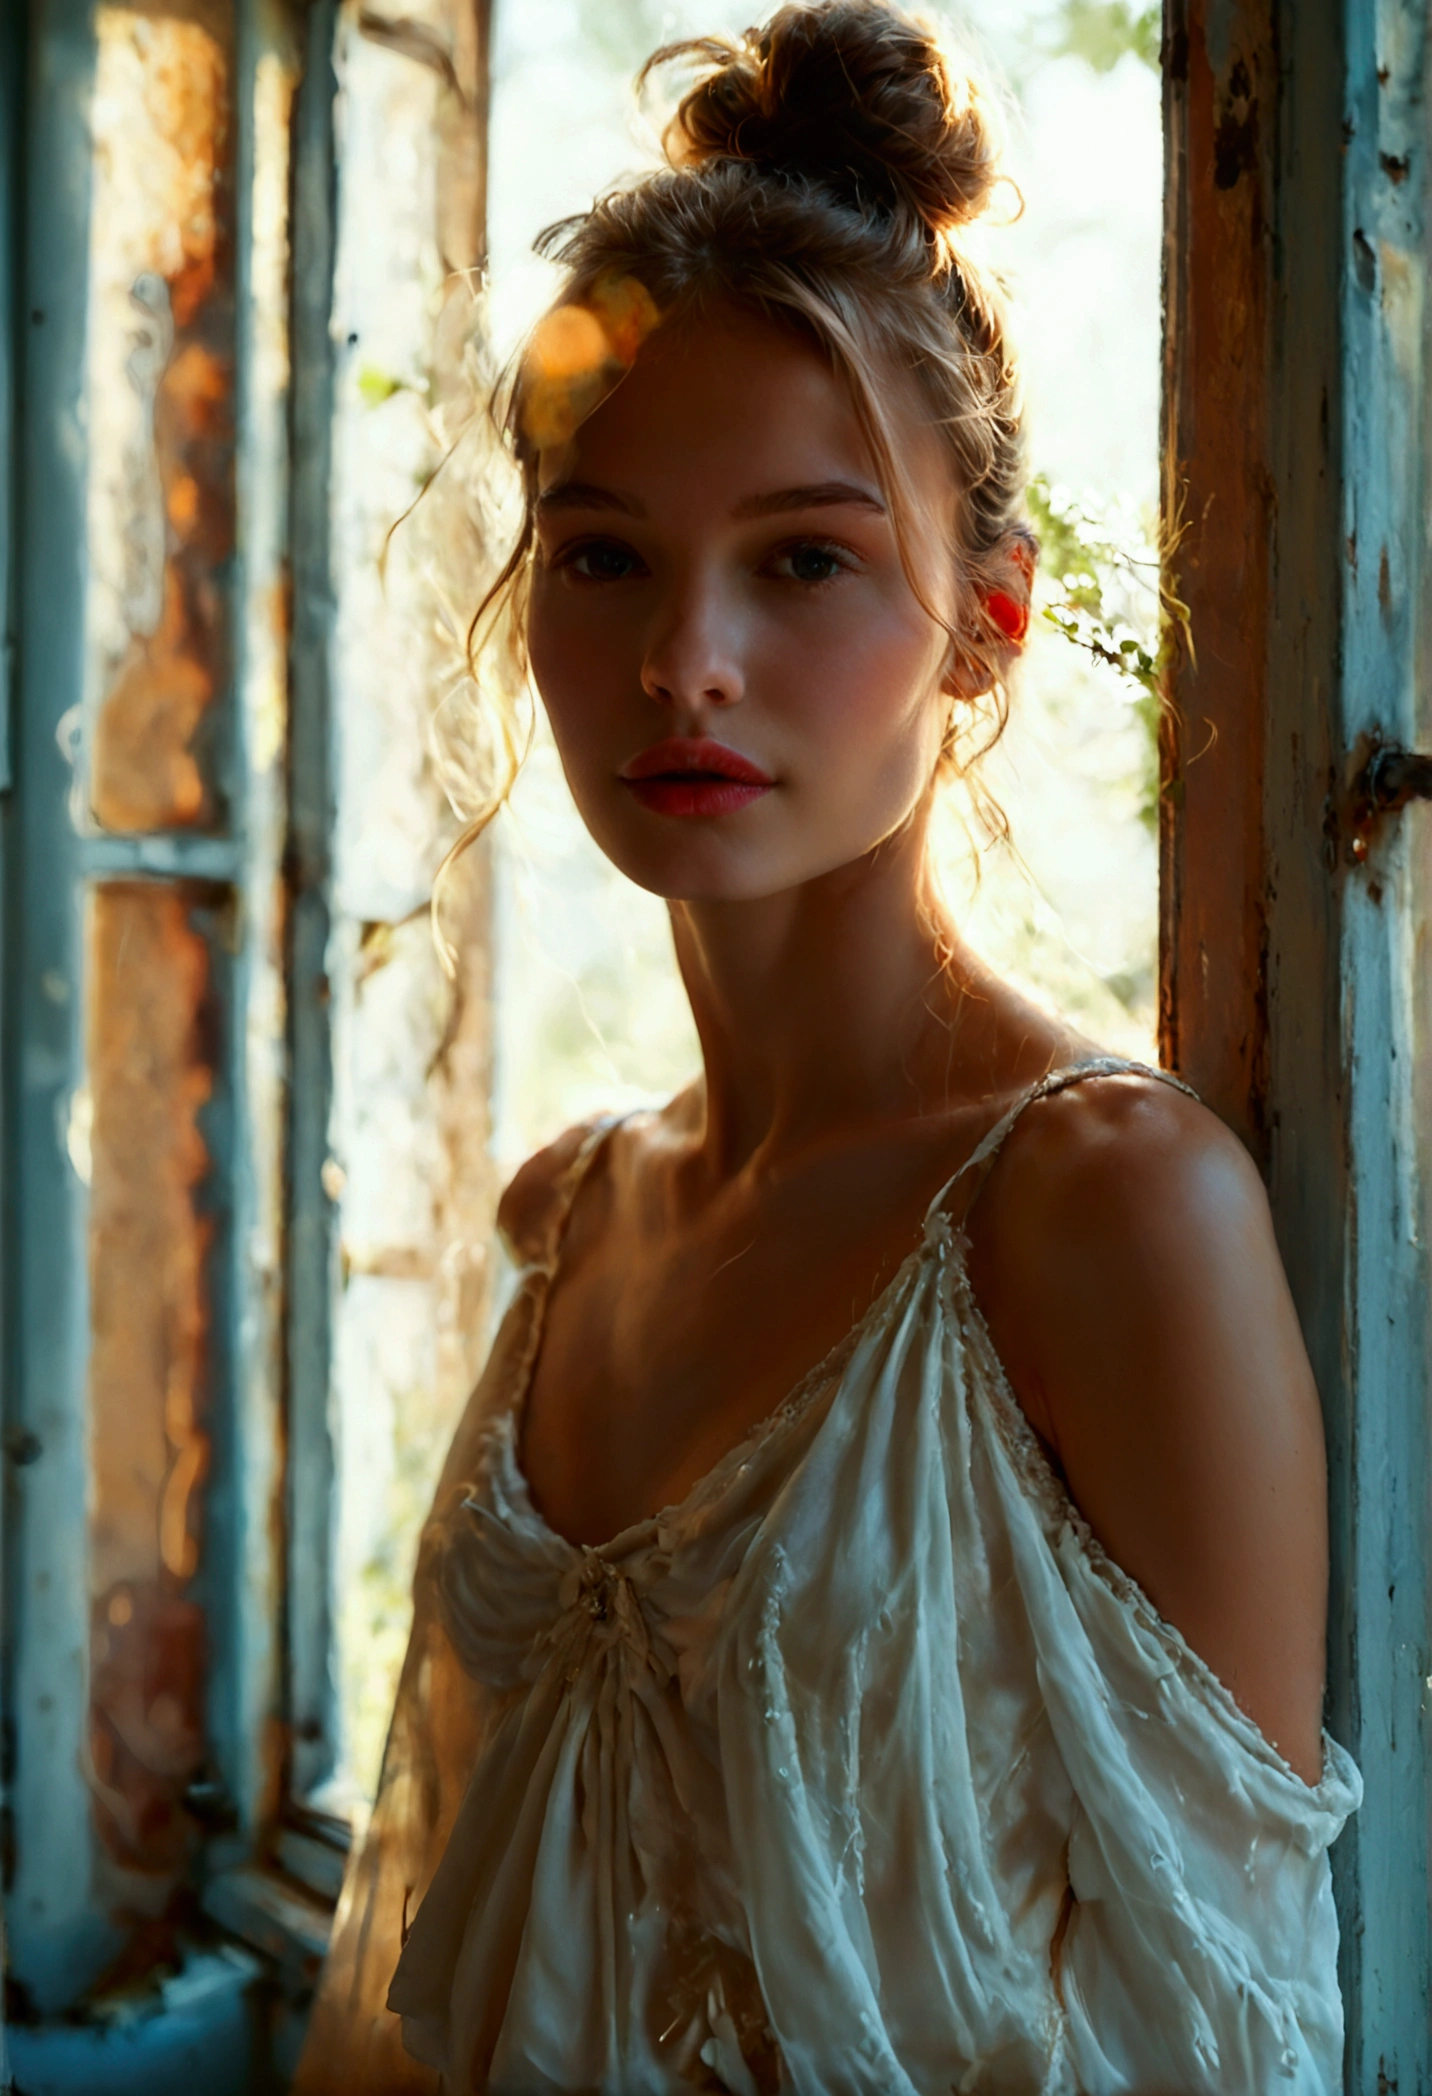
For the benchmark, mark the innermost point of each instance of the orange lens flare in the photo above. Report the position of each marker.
(578, 353)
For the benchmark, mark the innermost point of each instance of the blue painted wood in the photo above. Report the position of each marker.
(176, 857)
(244, 1503)
(12, 52)
(202, 2036)
(312, 1681)
(11, 59)
(1384, 1661)
(1307, 992)
(57, 1939)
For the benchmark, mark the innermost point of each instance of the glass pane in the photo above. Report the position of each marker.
(159, 386)
(408, 1164)
(140, 1137)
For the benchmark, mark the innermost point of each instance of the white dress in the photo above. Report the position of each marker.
(861, 1770)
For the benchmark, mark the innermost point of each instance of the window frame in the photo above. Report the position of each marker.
(271, 1855)
(268, 1876)
(1293, 994)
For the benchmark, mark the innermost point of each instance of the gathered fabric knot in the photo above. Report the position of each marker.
(595, 1584)
(601, 1616)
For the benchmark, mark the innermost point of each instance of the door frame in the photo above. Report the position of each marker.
(1293, 986)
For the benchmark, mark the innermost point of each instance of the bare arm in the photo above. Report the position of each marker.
(1125, 1258)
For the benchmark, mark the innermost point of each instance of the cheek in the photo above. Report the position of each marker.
(578, 663)
(865, 691)
(553, 648)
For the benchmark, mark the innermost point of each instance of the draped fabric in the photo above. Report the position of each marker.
(861, 1770)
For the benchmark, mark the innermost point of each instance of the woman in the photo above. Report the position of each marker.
(946, 1716)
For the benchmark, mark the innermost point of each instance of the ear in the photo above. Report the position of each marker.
(997, 617)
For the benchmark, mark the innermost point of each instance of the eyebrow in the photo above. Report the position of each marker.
(820, 494)
(585, 494)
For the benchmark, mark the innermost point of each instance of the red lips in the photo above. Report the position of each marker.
(694, 776)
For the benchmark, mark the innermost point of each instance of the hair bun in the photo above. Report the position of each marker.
(854, 95)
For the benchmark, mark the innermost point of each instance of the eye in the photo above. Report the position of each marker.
(811, 561)
(599, 560)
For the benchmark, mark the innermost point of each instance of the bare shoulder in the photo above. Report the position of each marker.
(534, 1195)
(538, 1191)
(1118, 1158)
(1125, 1256)
(1120, 1217)
(1120, 1197)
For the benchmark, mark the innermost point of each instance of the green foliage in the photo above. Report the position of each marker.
(374, 386)
(1100, 586)
(1101, 32)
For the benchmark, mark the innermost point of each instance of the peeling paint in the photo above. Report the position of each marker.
(79, 1128)
(1378, 1440)
(146, 1739)
(159, 381)
(152, 1072)
(1404, 298)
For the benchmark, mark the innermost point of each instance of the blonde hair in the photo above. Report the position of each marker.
(819, 173)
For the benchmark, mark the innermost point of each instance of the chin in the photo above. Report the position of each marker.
(748, 856)
(712, 863)
(701, 874)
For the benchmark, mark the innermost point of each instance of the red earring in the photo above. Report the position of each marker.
(1011, 618)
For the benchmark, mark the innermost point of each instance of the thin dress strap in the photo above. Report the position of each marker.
(981, 1159)
(570, 1185)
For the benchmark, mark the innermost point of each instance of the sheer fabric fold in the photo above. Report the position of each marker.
(863, 1772)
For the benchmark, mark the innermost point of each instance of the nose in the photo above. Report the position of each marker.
(692, 656)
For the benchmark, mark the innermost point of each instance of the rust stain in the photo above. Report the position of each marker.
(150, 766)
(146, 1735)
(151, 1067)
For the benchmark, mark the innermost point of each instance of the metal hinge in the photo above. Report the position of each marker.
(1386, 777)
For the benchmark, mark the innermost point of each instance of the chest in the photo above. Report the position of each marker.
(665, 1341)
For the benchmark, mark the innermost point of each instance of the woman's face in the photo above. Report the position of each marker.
(744, 689)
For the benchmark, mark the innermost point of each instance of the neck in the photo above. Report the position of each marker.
(829, 1004)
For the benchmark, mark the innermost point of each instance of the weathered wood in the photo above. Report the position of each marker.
(1378, 1439)
(70, 1490)
(11, 63)
(1220, 93)
(312, 1251)
(1295, 437)
(246, 1612)
(57, 1940)
(12, 46)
